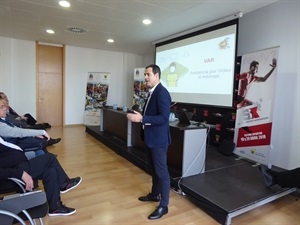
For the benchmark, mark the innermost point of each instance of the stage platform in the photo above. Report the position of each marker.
(229, 187)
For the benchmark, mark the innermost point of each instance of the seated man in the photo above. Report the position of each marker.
(24, 138)
(26, 121)
(285, 179)
(13, 163)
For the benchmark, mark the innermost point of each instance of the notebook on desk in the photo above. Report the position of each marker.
(182, 116)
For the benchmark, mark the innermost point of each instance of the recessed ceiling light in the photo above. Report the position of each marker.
(110, 40)
(147, 21)
(64, 4)
(49, 31)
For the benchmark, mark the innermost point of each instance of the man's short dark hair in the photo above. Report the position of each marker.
(155, 69)
(253, 63)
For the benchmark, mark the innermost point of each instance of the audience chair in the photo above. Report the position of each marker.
(22, 206)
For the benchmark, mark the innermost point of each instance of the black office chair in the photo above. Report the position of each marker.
(23, 205)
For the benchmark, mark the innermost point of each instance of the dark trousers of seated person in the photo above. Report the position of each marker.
(30, 120)
(285, 179)
(29, 143)
(37, 126)
(47, 168)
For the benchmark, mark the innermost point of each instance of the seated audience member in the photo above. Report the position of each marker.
(25, 121)
(13, 163)
(285, 179)
(24, 138)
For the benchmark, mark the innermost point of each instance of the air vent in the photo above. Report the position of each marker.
(76, 30)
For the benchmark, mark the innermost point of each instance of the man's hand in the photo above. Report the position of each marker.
(24, 117)
(28, 181)
(274, 62)
(46, 135)
(135, 117)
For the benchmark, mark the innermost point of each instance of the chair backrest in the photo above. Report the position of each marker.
(226, 147)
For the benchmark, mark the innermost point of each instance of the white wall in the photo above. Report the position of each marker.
(18, 73)
(80, 61)
(131, 61)
(18, 76)
(278, 25)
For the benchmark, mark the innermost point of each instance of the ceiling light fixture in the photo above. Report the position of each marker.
(76, 30)
(65, 4)
(147, 21)
(50, 31)
(110, 40)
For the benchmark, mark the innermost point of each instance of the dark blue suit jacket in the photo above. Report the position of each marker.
(156, 132)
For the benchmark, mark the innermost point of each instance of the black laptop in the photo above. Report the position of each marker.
(183, 116)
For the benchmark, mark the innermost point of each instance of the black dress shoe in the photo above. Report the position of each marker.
(149, 198)
(53, 141)
(46, 125)
(158, 212)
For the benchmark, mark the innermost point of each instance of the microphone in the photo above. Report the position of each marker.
(135, 107)
(173, 104)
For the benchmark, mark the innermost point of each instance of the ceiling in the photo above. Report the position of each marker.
(120, 20)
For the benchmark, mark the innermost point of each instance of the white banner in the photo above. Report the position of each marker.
(255, 102)
(96, 96)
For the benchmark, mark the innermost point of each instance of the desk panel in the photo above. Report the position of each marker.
(136, 139)
(115, 123)
(186, 153)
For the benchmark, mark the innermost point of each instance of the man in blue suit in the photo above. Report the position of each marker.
(156, 135)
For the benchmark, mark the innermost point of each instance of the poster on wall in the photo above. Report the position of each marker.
(255, 100)
(140, 88)
(96, 96)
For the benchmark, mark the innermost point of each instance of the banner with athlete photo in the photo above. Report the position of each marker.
(255, 100)
(140, 88)
(96, 97)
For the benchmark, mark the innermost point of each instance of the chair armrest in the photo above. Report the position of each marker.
(18, 202)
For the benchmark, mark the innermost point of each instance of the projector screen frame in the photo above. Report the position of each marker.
(235, 22)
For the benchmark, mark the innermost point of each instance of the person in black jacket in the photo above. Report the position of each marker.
(13, 163)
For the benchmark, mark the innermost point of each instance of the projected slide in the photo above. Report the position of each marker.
(200, 69)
